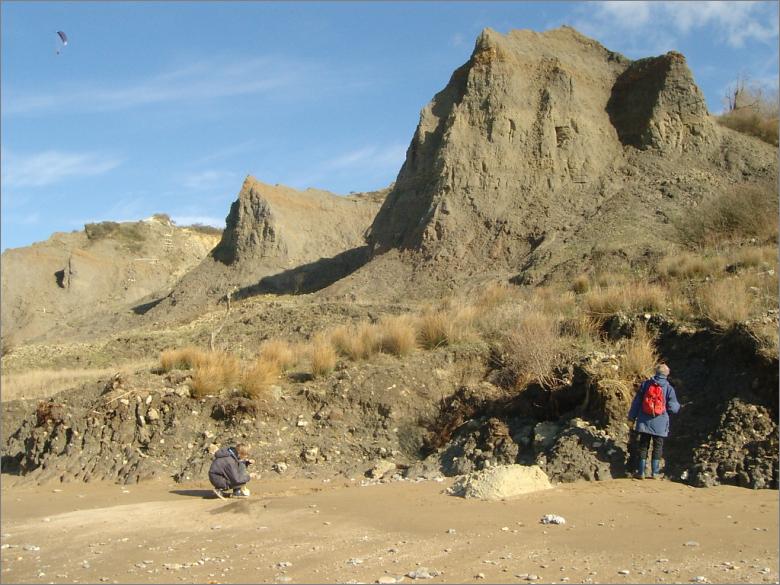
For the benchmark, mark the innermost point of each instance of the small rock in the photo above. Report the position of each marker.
(700, 579)
(624, 572)
(479, 576)
(31, 547)
(422, 573)
(691, 543)
(355, 562)
(283, 564)
(386, 580)
(450, 531)
(532, 578)
(552, 519)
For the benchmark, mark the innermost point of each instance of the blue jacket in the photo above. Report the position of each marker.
(654, 425)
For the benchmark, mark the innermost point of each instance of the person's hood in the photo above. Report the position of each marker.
(661, 380)
(225, 452)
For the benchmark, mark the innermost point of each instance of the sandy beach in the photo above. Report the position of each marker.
(337, 531)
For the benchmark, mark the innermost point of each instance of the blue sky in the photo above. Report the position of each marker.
(167, 106)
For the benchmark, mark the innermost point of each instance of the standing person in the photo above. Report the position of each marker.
(652, 404)
(228, 471)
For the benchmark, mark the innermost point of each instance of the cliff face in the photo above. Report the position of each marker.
(279, 226)
(522, 131)
(104, 268)
(277, 239)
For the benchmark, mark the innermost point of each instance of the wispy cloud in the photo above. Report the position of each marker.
(373, 156)
(208, 179)
(204, 80)
(51, 167)
(660, 23)
(367, 164)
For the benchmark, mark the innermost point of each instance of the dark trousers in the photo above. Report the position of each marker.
(644, 445)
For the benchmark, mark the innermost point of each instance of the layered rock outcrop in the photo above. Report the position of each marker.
(543, 151)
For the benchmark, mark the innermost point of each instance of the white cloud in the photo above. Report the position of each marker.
(50, 167)
(660, 23)
(204, 80)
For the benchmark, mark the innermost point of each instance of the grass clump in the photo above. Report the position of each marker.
(323, 356)
(533, 348)
(397, 335)
(259, 377)
(185, 358)
(581, 284)
(633, 297)
(215, 372)
(725, 302)
(688, 265)
(640, 356)
(742, 212)
(280, 352)
(357, 342)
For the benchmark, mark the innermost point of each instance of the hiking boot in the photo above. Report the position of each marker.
(242, 492)
(219, 494)
(655, 466)
(638, 475)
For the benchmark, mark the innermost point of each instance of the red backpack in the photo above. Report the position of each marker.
(653, 402)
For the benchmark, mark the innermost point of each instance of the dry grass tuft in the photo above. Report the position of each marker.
(323, 356)
(764, 257)
(631, 298)
(492, 296)
(744, 211)
(533, 348)
(687, 265)
(281, 352)
(185, 358)
(44, 383)
(356, 342)
(581, 284)
(433, 329)
(397, 335)
(214, 372)
(259, 377)
(725, 302)
(640, 357)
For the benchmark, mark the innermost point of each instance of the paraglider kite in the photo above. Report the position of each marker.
(63, 39)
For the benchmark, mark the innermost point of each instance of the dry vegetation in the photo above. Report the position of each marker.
(753, 111)
(47, 382)
(727, 274)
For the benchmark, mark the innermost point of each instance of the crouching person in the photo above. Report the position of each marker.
(228, 472)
